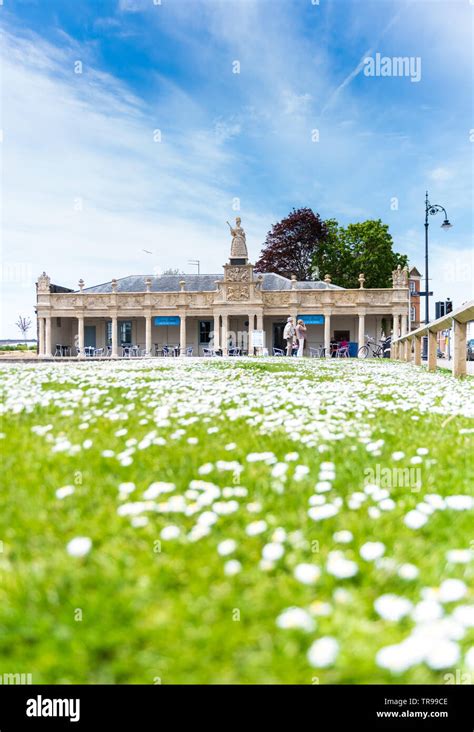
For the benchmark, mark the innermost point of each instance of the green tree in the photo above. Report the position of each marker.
(365, 247)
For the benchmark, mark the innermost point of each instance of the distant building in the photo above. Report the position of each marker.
(414, 280)
(214, 311)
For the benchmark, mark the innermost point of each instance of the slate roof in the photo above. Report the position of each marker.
(199, 283)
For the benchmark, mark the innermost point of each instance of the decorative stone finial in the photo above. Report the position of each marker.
(44, 282)
(400, 276)
(327, 279)
(182, 285)
(114, 285)
(361, 280)
(81, 284)
(148, 284)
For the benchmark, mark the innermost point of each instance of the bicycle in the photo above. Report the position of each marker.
(371, 349)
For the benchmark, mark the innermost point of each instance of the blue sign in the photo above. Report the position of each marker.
(312, 319)
(170, 320)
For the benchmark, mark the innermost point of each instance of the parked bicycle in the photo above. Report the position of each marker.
(372, 349)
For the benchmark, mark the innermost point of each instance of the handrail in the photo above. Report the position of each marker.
(457, 320)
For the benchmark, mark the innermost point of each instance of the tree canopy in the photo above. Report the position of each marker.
(290, 245)
(308, 247)
(365, 247)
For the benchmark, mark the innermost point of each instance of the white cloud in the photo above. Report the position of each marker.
(86, 188)
(441, 174)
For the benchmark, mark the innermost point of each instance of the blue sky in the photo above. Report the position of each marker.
(87, 186)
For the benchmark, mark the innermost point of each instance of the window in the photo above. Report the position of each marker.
(342, 335)
(412, 313)
(108, 333)
(125, 332)
(412, 287)
(204, 331)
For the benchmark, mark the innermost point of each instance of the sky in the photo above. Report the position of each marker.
(132, 125)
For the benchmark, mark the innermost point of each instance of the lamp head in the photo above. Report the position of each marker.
(446, 225)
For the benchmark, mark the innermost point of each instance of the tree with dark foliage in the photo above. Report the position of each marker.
(291, 245)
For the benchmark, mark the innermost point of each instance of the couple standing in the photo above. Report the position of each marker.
(291, 334)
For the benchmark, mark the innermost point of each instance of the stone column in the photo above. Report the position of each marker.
(148, 335)
(114, 337)
(47, 340)
(460, 345)
(80, 334)
(260, 327)
(182, 334)
(250, 335)
(361, 329)
(217, 331)
(327, 334)
(432, 350)
(396, 325)
(225, 330)
(41, 337)
(418, 350)
(403, 324)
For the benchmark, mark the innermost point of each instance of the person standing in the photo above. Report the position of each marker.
(301, 330)
(289, 335)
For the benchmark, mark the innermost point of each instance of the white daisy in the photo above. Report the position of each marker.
(306, 573)
(323, 652)
(79, 547)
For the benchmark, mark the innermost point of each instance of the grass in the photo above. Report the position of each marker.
(139, 608)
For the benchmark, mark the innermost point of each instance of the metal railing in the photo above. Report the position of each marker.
(457, 320)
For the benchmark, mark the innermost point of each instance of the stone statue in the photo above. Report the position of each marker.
(400, 276)
(238, 249)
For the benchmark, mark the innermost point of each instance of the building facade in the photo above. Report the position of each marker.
(193, 313)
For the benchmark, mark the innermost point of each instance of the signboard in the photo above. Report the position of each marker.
(312, 319)
(258, 338)
(167, 320)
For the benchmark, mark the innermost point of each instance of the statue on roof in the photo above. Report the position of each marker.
(238, 248)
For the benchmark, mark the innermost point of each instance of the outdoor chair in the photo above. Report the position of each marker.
(208, 352)
(59, 350)
(189, 351)
(99, 351)
(234, 351)
(342, 351)
(278, 352)
(317, 352)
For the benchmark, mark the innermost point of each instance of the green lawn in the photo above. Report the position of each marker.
(275, 458)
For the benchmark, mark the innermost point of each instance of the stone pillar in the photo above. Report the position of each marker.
(47, 340)
(327, 334)
(361, 329)
(432, 350)
(250, 336)
(260, 327)
(403, 329)
(182, 334)
(114, 337)
(225, 331)
(459, 363)
(418, 350)
(41, 337)
(148, 335)
(80, 335)
(217, 331)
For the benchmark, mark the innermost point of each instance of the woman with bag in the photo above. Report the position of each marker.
(301, 331)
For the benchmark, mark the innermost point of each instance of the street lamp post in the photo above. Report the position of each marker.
(432, 210)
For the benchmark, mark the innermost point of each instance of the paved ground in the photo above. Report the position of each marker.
(445, 364)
